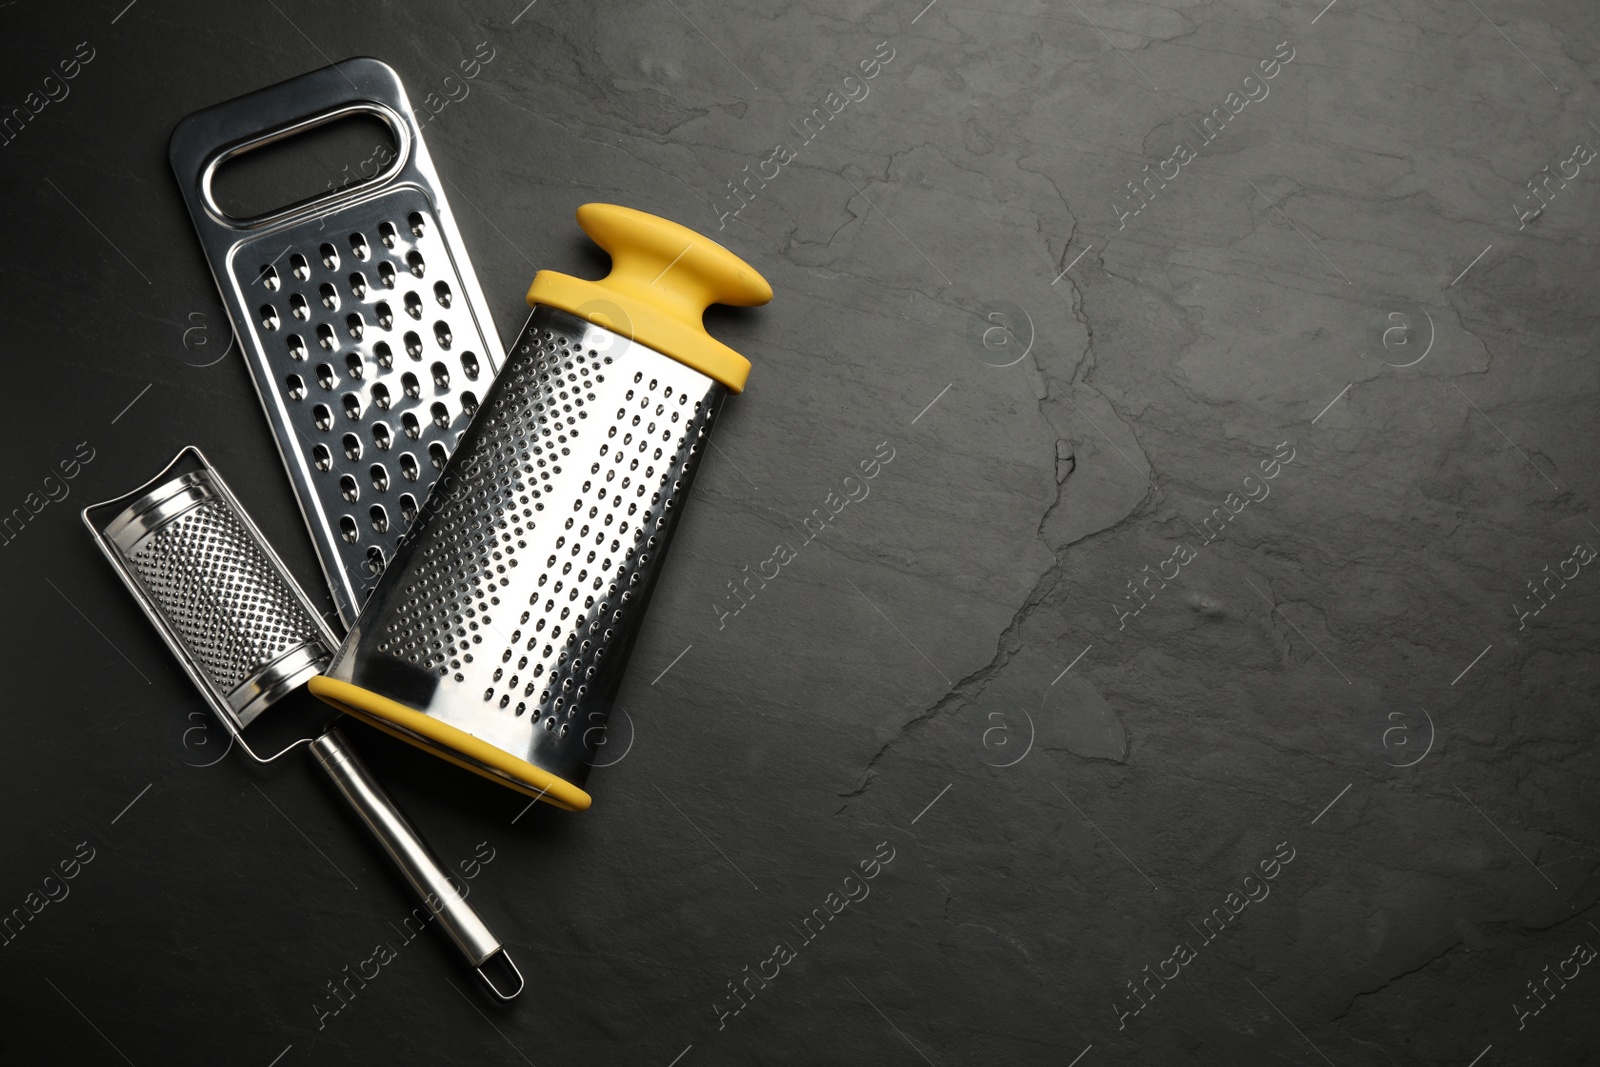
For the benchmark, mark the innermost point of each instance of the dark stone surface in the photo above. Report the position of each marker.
(1355, 618)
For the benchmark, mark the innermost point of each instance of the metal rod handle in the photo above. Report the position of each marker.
(413, 857)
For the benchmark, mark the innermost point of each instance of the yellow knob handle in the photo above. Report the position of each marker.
(663, 277)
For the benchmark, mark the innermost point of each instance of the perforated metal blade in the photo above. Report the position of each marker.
(362, 322)
(223, 601)
(510, 611)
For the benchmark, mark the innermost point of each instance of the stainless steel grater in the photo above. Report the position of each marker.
(223, 601)
(362, 322)
(247, 636)
(499, 637)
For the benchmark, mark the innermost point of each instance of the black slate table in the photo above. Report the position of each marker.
(1206, 673)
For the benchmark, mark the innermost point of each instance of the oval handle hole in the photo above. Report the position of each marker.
(282, 172)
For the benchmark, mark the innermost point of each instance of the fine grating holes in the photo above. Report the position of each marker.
(413, 304)
(297, 387)
(380, 518)
(298, 265)
(441, 416)
(386, 275)
(441, 376)
(383, 354)
(381, 435)
(469, 366)
(348, 529)
(415, 264)
(358, 246)
(322, 416)
(441, 333)
(297, 347)
(413, 428)
(322, 457)
(386, 234)
(441, 293)
(330, 256)
(325, 376)
(408, 467)
(352, 447)
(353, 366)
(380, 477)
(349, 489)
(417, 223)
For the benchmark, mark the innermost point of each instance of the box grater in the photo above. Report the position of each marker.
(247, 636)
(362, 323)
(499, 636)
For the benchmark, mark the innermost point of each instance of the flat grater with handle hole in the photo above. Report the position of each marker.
(361, 320)
(499, 636)
(248, 636)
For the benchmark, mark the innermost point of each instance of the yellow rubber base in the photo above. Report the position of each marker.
(449, 743)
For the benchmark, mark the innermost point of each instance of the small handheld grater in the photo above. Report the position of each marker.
(247, 636)
(367, 336)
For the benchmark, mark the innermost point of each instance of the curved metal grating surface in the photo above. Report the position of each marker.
(226, 600)
(520, 590)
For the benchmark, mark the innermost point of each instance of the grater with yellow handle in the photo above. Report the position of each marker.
(499, 634)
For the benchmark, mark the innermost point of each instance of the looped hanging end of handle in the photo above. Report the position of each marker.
(505, 958)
